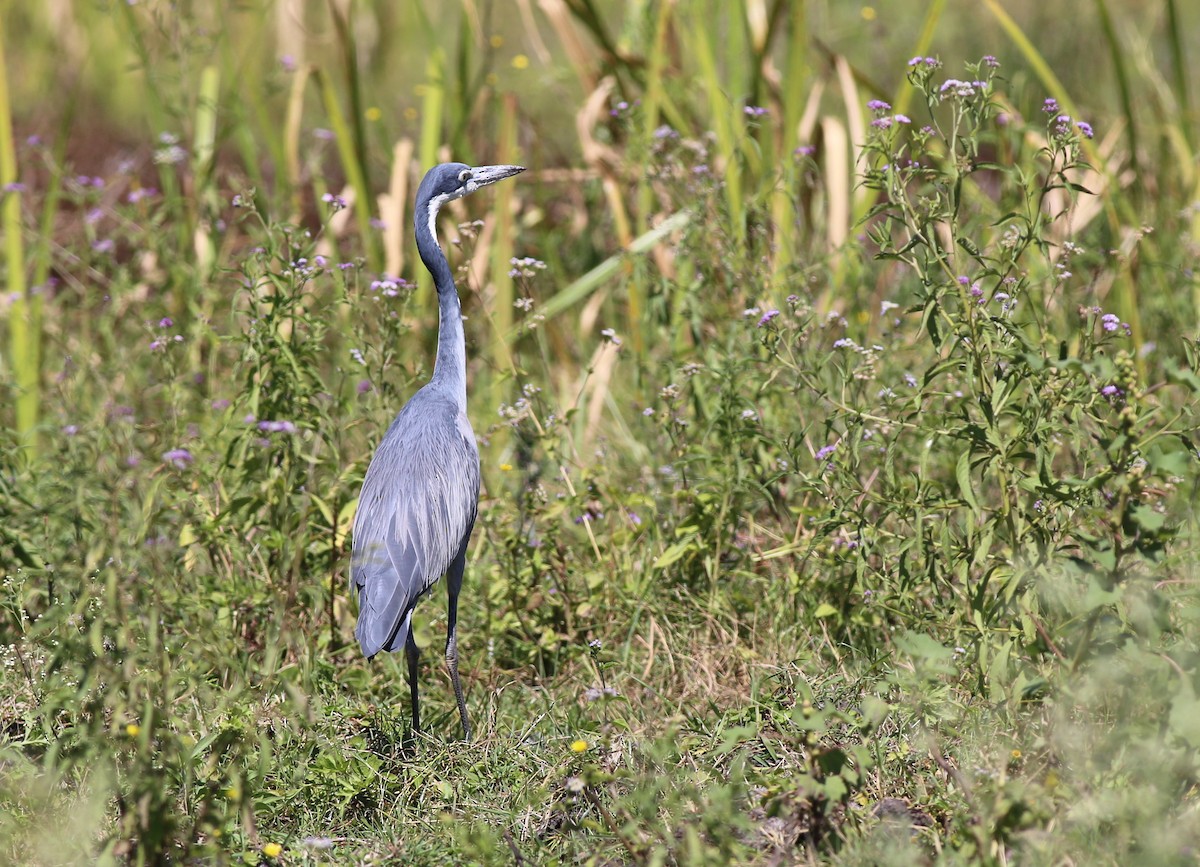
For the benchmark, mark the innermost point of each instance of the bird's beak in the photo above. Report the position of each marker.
(485, 175)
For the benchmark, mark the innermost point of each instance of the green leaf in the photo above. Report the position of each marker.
(824, 610)
(963, 473)
(673, 553)
(1148, 519)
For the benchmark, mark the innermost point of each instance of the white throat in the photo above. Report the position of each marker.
(435, 205)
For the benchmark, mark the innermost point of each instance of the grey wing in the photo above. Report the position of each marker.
(415, 515)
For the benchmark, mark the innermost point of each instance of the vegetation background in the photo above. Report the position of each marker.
(834, 373)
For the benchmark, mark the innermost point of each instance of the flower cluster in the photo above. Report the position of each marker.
(388, 285)
(1064, 130)
(525, 267)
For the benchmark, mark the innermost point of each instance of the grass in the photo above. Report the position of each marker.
(790, 551)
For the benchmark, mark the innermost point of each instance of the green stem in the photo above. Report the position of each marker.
(25, 317)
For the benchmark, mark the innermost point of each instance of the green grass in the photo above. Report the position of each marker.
(876, 554)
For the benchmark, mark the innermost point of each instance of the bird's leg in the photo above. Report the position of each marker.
(454, 577)
(414, 656)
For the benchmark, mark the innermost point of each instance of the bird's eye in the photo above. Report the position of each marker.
(464, 176)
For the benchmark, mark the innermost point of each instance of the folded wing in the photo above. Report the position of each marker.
(415, 514)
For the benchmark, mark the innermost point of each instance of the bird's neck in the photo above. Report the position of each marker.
(450, 364)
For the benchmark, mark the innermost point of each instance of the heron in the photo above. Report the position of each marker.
(420, 495)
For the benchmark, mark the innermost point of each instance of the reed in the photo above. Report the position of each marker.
(25, 314)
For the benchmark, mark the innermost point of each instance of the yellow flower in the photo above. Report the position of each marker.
(133, 730)
(1015, 754)
(506, 468)
(520, 62)
(272, 850)
(497, 40)
(579, 746)
(373, 114)
(868, 13)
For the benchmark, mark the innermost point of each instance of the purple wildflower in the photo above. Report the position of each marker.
(1085, 128)
(825, 451)
(1110, 390)
(805, 151)
(1110, 321)
(767, 317)
(754, 110)
(336, 202)
(277, 426)
(364, 385)
(991, 61)
(957, 88)
(1050, 105)
(878, 105)
(70, 430)
(166, 322)
(178, 458)
(220, 404)
(901, 118)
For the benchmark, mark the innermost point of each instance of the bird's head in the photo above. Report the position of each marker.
(449, 181)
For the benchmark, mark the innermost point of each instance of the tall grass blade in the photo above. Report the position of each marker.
(392, 208)
(25, 315)
(291, 138)
(839, 174)
(502, 243)
(343, 16)
(581, 288)
(1117, 54)
(651, 117)
(721, 111)
(933, 15)
(432, 108)
(349, 156)
(203, 148)
(794, 93)
(1180, 72)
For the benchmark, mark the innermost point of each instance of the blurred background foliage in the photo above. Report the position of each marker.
(837, 428)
